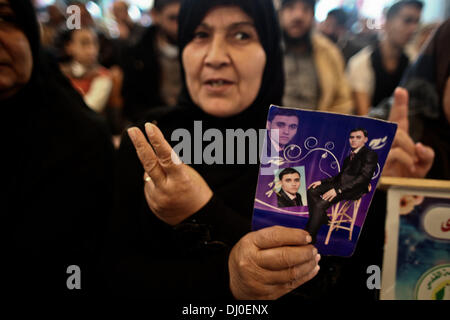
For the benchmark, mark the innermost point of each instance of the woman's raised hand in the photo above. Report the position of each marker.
(174, 191)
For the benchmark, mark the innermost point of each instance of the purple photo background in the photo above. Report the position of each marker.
(321, 145)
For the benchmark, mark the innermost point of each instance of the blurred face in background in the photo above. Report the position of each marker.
(16, 60)
(400, 29)
(167, 21)
(224, 63)
(330, 28)
(83, 47)
(296, 19)
(120, 11)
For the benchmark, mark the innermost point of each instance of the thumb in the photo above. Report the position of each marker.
(399, 110)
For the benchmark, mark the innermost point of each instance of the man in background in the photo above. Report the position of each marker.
(376, 71)
(152, 75)
(314, 67)
(336, 28)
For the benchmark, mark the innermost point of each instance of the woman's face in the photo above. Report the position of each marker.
(224, 62)
(16, 60)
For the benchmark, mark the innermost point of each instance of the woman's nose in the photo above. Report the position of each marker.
(217, 55)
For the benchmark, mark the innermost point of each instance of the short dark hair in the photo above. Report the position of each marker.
(283, 112)
(287, 171)
(366, 134)
(159, 5)
(311, 3)
(340, 15)
(393, 11)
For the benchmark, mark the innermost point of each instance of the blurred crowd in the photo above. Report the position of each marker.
(347, 65)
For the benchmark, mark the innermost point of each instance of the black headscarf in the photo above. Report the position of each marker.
(57, 175)
(265, 18)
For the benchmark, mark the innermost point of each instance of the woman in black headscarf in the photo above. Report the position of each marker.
(184, 231)
(58, 160)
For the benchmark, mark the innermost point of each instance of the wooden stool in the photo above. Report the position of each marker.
(340, 215)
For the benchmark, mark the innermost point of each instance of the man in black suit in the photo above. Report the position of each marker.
(288, 195)
(350, 184)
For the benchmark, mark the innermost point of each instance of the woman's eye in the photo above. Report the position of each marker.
(241, 36)
(200, 35)
(8, 20)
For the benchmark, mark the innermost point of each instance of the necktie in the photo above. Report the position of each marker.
(352, 155)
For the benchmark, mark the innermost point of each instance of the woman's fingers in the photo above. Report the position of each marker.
(146, 155)
(290, 275)
(167, 158)
(278, 236)
(276, 259)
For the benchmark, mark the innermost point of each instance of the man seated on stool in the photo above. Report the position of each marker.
(288, 195)
(350, 184)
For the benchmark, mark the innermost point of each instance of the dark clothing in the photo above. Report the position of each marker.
(59, 188)
(386, 82)
(190, 260)
(353, 181)
(285, 201)
(57, 181)
(142, 75)
(356, 174)
(425, 82)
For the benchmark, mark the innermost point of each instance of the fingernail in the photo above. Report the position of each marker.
(175, 158)
(308, 239)
(316, 269)
(132, 134)
(318, 258)
(148, 179)
(148, 128)
(314, 252)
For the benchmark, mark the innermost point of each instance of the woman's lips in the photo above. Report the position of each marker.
(218, 85)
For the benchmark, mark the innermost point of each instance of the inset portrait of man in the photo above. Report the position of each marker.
(282, 128)
(289, 195)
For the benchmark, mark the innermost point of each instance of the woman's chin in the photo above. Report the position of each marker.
(222, 109)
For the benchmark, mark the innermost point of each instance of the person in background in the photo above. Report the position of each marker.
(314, 66)
(58, 166)
(336, 28)
(428, 100)
(92, 80)
(425, 32)
(129, 31)
(376, 71)
(55, 24)
(152, 75)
